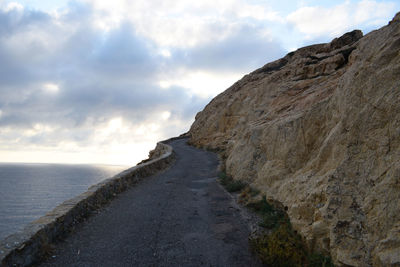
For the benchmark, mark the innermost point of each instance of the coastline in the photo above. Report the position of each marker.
(29, 245)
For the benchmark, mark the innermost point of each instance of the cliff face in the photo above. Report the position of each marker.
(319, 131)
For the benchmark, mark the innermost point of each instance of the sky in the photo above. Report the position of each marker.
(99, 81)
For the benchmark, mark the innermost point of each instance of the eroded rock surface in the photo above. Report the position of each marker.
(319, 131)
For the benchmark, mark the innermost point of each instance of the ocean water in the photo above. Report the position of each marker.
(29, 191)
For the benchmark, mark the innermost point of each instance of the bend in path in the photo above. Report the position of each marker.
(180, 217)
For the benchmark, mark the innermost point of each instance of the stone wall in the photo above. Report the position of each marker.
(28, 246)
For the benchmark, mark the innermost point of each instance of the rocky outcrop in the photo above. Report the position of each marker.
(157, 152)
(319, 131)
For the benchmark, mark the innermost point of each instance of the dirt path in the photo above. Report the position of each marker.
(181, 217)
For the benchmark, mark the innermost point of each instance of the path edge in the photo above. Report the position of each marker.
(28, 246)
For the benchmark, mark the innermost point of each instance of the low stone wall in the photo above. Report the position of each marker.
(28, 246)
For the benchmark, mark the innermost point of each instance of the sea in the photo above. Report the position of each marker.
(29, 191)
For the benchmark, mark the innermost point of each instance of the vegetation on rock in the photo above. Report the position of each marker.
(280, 245)
(230, 184)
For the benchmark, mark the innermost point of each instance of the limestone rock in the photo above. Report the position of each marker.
(319, 131)
(157, 152)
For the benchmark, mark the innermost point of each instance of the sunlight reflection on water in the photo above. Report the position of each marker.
(29, 191)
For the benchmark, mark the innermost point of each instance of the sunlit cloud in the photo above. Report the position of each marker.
(315, 21)
(13, 6)
(51, 87)
(165, 115)
(96, 81)
(201, 83)
(165, 53)
(38, 129)
(182, 23)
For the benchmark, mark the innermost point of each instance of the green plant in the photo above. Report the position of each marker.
(319, 260)
(235, 186)
(282, 248)
(247, 194)
(254, 192)
(223, 178)
(271, 216)
(230, 184)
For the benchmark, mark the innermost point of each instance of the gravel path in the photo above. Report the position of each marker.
(181, 217)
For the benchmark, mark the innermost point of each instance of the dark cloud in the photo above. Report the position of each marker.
(122, 51)
(102, 75)
(245, 49)
(16, 20)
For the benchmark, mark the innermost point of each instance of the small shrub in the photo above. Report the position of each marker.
(254, 192)
(282, 248)
(247, 194)
(271, 216)
(261, 206)
(235, 186)
(230, 184)
(224, 179)
(319, 260)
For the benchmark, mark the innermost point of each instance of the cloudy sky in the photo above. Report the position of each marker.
(99, 81)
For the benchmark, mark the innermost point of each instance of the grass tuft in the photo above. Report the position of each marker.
(272, 217)
(247, 194)
(282, 246)
(230, 184)
(320, 260)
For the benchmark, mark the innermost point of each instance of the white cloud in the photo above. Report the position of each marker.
(204, 84)
(165, 53)
(116, 141)
(165, 115)
(104, 82)
(13, 6)
(373, 13)
(38, 129)
(70, 94)
(258, 12)
(315, 21)
(181, 23)
(51, 87)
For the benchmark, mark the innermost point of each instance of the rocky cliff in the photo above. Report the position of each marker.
(319, 131)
